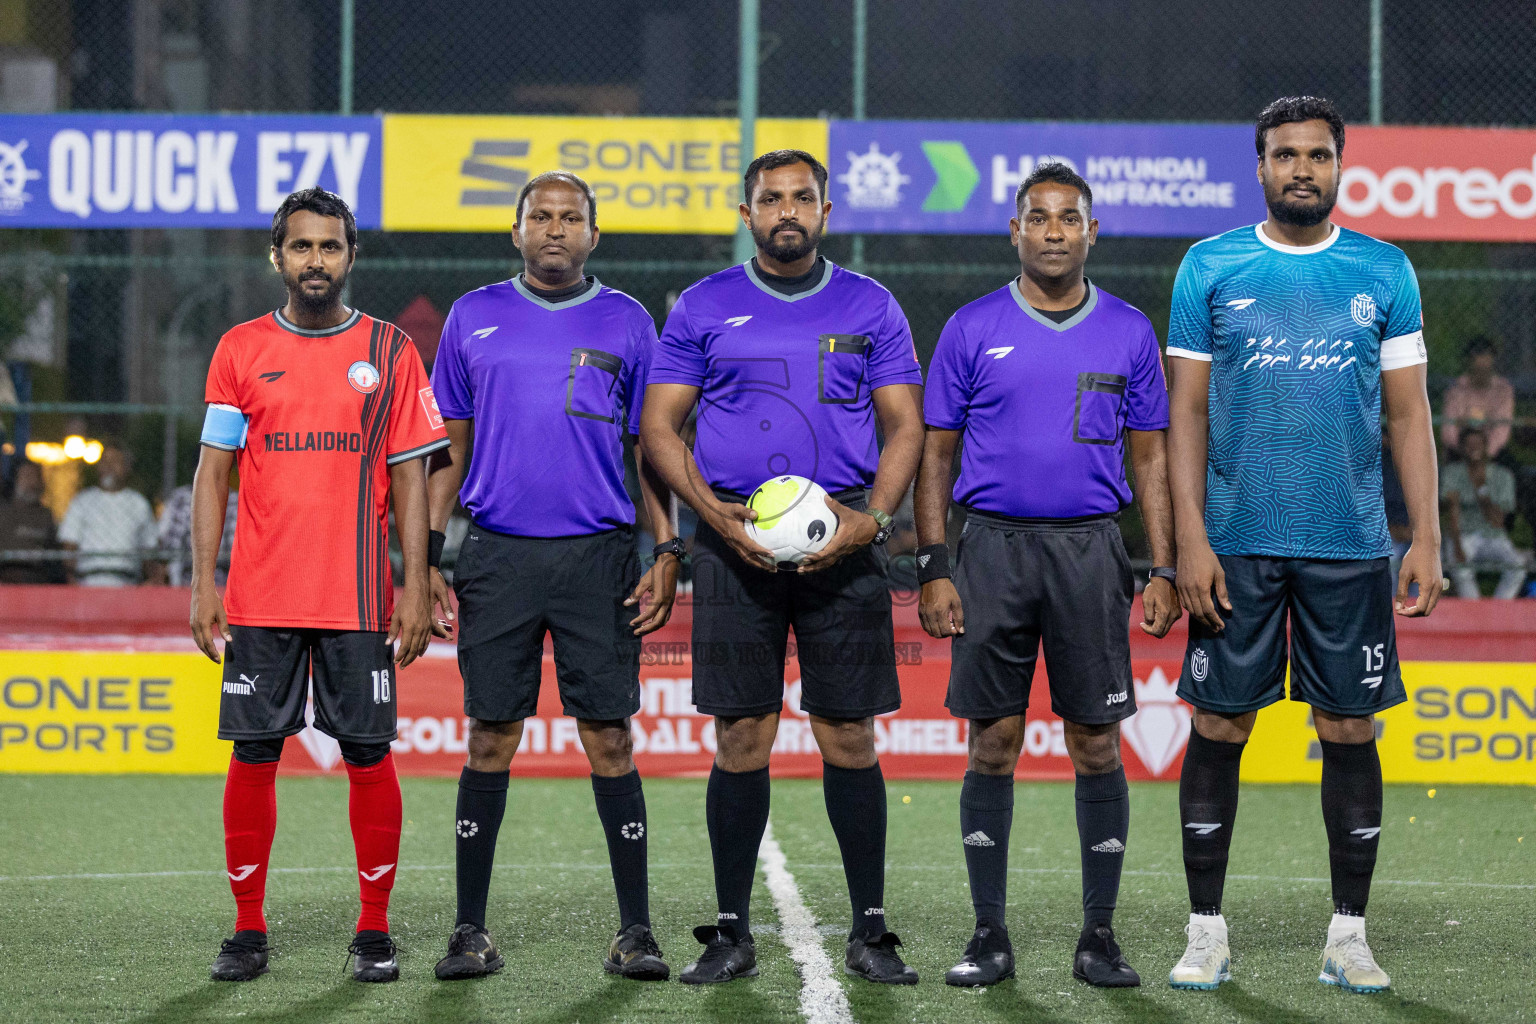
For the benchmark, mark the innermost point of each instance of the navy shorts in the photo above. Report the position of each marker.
(1343, 643)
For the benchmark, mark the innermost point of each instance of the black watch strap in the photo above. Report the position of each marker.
(1163, 572)
(674, 546)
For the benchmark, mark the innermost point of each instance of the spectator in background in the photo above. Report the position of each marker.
(1479, 396)
(176, 537)
(112, 528)
(26, 525)
(1478, 495)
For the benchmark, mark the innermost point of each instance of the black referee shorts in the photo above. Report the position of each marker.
(1343, 640)
(843, 632)
(512, 590)
(267, 683)
(1065, 582)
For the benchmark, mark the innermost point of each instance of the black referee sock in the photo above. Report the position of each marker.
(1208, 813)
(621, 807)
(1352, 815)
(736, 810)
(986, 819)
(1103, 823)
(482, 802)
(856, 807)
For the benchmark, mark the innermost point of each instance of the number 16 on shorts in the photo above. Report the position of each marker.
(381, 686)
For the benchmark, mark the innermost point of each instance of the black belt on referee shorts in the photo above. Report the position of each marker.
(853, 497)
(1003, 522)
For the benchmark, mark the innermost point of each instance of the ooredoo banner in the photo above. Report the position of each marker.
(178, 170)
(1444, 184)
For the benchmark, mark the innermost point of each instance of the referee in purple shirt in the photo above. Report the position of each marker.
(1049, 380)
(539, 380)
(791, 362)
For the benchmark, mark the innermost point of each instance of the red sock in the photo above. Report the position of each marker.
(375, 810)
(250, 819)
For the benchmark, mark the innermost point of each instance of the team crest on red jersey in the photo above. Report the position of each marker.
(363, 376)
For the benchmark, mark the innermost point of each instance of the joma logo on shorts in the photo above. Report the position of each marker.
(1115, 698)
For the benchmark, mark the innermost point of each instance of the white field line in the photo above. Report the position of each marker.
(822, 999)
(603, 866)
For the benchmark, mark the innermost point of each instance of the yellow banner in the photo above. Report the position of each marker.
(653, 175)
(1463, 722)
(109, 713)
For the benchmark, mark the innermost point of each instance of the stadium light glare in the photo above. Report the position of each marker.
(74, 446)
(47, 453)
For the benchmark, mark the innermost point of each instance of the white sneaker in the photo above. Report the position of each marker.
(1348, 963)
(1207, 959)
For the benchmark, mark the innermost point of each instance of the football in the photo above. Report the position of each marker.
(793, 519)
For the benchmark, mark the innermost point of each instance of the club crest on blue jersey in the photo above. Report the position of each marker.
(364, 376)
(1362, 309)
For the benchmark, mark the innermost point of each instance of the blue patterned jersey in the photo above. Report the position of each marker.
(1297, 339)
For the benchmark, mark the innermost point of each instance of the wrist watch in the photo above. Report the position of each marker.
(672, 547)
(1163, 573)
(884, 519)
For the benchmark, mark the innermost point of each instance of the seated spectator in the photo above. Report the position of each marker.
(1479, 396)
(26, 526)
(112, 528)
(1478, 495)
(176, 537)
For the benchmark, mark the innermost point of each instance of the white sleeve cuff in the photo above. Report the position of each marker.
(1188, 353)
(1404, 350)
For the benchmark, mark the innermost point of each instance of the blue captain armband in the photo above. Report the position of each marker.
(225, 427)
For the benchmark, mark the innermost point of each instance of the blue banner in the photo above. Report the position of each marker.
(181, 171)
(959, 177)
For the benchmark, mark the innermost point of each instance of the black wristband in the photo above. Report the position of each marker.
(933, 563)
(435, 541)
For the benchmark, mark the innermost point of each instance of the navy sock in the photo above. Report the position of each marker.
(1208, 812)
(1103, 823)
(477, 820)
(736, 810)
(855, 800)
(621, 808)
(986, 819)
(1352, 814)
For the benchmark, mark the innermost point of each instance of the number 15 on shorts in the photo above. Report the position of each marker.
(381, 686)
(1375, 661)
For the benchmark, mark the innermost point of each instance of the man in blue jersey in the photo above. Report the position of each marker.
(1052, 382)
(539, 381)
(791, 361)
(1288, 340)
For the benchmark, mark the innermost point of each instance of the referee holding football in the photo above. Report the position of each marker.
(539, 380)
(791, 361)
(1050, 380)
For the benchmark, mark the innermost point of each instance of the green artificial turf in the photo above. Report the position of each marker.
(1451, 916)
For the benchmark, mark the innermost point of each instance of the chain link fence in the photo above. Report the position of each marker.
(114, 316)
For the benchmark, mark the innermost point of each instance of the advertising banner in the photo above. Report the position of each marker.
(937, 177)
(1444, 184)
(118, 712)
(655, 175)
(178, 170)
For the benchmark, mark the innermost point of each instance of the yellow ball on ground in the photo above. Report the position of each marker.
(1431, 794)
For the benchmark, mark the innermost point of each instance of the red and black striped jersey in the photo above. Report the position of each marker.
(327, 413)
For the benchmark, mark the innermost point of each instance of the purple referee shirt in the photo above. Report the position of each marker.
(1045, 406)
(553, 387)
(786, 379)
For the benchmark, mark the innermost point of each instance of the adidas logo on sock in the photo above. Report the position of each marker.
(979, 838)
(1109, 846)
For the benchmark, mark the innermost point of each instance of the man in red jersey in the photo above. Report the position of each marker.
(329, 414)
